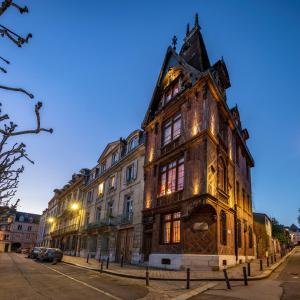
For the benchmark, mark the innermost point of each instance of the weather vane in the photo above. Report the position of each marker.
(174, 42)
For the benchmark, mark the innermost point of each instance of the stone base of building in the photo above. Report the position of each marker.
(194, 261)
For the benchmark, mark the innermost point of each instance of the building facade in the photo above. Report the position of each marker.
(112, 225)
(99, 212)
(6, 224)
(18, 230)
(61, 220)
(197, 200)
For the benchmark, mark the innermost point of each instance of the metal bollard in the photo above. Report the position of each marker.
(226, 279)
(249, 269)
(271, 259)
(101, 266)
(107, 262)
(122, 261)
(261, 264)
(147, 276)
(87, 258)
(100, 258)
(268, 262)
(188, 278)
(245, 276)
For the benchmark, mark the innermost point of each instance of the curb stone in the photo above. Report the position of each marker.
(264, 275)
(195, 292)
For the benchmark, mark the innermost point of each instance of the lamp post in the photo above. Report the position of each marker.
(75, 207)
(51, 221)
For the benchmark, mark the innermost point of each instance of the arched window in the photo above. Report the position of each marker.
(223, 228)
(222, 175)
(250, 237)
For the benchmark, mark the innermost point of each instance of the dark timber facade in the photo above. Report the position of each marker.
(197, 198)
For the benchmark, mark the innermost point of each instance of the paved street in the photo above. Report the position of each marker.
(283, 284)
(22, 278)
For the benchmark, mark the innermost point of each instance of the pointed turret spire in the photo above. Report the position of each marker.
(193, 50)
(187, 29)
(196, 20)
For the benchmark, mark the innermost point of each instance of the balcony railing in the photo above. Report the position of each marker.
(64, 230)
(125, 218)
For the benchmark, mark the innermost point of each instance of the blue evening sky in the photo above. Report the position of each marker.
(94, 64)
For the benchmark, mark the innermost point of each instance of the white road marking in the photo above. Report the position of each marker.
(86, 284)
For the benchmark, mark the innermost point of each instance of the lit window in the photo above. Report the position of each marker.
(171, 130)
(112, 182)
(101, 189)
(172, 177)
(171, 228)
(172, 92)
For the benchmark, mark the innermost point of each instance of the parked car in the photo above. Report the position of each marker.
(34, 252)
(25, 250)
(50, 254)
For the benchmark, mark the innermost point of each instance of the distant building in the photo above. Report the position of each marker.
(19, 230)
(263, 232)
(24, 230)
(294, 234)
(6, 223)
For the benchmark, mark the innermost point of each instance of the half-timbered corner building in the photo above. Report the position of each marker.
(197, 199)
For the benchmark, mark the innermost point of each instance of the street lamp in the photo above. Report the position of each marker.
(50, 220)
(74, 206)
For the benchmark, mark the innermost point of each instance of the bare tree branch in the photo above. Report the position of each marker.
(17, 90)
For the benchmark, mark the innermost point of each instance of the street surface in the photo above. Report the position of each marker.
(22, 278)
(283, 284)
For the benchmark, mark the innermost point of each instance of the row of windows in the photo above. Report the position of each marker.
(171, 230)
(130, 175)
(127, 210)
(133, 143)
(20, 227)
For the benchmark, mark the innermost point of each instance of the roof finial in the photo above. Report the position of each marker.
(197, 20)
(174, 42)
(187, 29)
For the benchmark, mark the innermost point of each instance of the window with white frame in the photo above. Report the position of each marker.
(110, 206)
(128, 206)
(112, 182)
(130, 173)
(114, 157)
(101, 189)
(90, 196)
(103, 167)
(98, 214)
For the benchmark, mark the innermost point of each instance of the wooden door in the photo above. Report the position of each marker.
(125, 244)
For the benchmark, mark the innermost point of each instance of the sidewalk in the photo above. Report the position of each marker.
(138, 272)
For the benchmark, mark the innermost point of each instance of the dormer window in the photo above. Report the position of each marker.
(171, 93)
(114, 157)
(133, 143)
